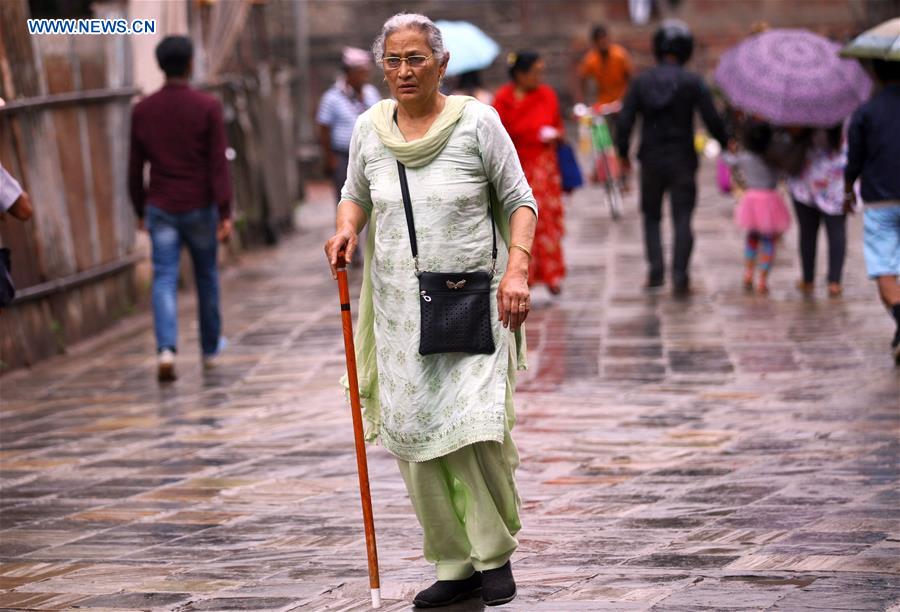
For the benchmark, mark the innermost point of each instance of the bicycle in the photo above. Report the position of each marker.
(594, 129)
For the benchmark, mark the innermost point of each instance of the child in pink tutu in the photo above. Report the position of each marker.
(761, 211)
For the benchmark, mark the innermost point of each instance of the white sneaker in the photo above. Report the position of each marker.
(165, 362)
(210, 361)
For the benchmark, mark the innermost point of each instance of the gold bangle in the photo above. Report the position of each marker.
(521, 248)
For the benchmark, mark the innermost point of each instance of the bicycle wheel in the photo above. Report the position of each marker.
(613, 193)
(614, 197)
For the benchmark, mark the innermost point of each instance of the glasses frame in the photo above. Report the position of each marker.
(404, 59)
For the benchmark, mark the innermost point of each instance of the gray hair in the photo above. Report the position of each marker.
(410, 21)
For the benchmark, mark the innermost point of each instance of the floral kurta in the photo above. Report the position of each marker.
(433, 405)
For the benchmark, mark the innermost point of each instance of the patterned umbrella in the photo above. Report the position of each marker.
(881, 42)
(469, 47)
(792, 77)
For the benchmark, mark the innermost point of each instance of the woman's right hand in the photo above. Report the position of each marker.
(341, 245)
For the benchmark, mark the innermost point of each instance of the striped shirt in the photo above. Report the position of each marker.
(339, 109)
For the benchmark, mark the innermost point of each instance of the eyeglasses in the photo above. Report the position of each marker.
(413, 61)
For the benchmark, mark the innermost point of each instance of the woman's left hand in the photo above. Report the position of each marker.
(548, 133)
(513, 299)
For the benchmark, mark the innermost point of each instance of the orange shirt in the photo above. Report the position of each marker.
(611, 75)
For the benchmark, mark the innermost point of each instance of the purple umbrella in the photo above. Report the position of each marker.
(792, 77)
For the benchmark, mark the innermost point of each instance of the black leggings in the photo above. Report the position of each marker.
(808, 218)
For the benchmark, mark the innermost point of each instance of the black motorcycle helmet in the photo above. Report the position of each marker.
(673, 38)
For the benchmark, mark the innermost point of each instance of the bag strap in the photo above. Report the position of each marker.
(407, 208)
(411, 226)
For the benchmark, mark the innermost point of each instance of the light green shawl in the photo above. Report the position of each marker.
(414, 155)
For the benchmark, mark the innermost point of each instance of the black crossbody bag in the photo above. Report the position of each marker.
(455, 307)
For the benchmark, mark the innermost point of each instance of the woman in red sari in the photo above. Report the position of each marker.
(530, 112)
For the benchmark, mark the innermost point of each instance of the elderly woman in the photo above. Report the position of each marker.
(446, 416)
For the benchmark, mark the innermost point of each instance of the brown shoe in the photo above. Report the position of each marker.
(805, 288)
(835, 290)
(682, 290)
(165, 366)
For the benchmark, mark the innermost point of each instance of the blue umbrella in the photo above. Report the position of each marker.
(469, 47)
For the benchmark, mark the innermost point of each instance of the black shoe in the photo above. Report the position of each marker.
(681, 290)
(446, 592)
(498, 586)
(653, 282)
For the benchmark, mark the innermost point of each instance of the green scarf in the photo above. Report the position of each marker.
(413, 155)
(423, 151)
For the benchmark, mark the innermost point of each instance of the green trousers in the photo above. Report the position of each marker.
(468, 507)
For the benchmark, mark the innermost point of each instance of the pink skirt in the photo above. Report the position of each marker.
(762, 211)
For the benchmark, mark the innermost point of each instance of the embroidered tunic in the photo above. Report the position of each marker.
(435, 404)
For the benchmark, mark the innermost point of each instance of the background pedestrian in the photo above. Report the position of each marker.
(180, 133)
(15, 202)
(349, 97)
(666, 98)
(607, 66)
(873, 148)
(817, 193)
(529, 110)
(761, 211)
(469, 84)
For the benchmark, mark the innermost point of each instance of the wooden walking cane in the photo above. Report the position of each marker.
(355, 407)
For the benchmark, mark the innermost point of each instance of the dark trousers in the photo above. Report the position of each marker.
(681, 185)
(340, 173)
(808, 218)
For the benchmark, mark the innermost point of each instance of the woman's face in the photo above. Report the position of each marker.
(411, 85)
(532, 78)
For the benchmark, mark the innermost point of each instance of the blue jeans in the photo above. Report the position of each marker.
(197, 230)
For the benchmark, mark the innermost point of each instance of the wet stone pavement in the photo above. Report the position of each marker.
(724, 452)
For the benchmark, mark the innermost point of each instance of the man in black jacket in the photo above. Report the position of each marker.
(666, 97)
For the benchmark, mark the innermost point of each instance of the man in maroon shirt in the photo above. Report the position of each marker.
(180, 132)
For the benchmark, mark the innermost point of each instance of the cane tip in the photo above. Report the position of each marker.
(376, 598)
